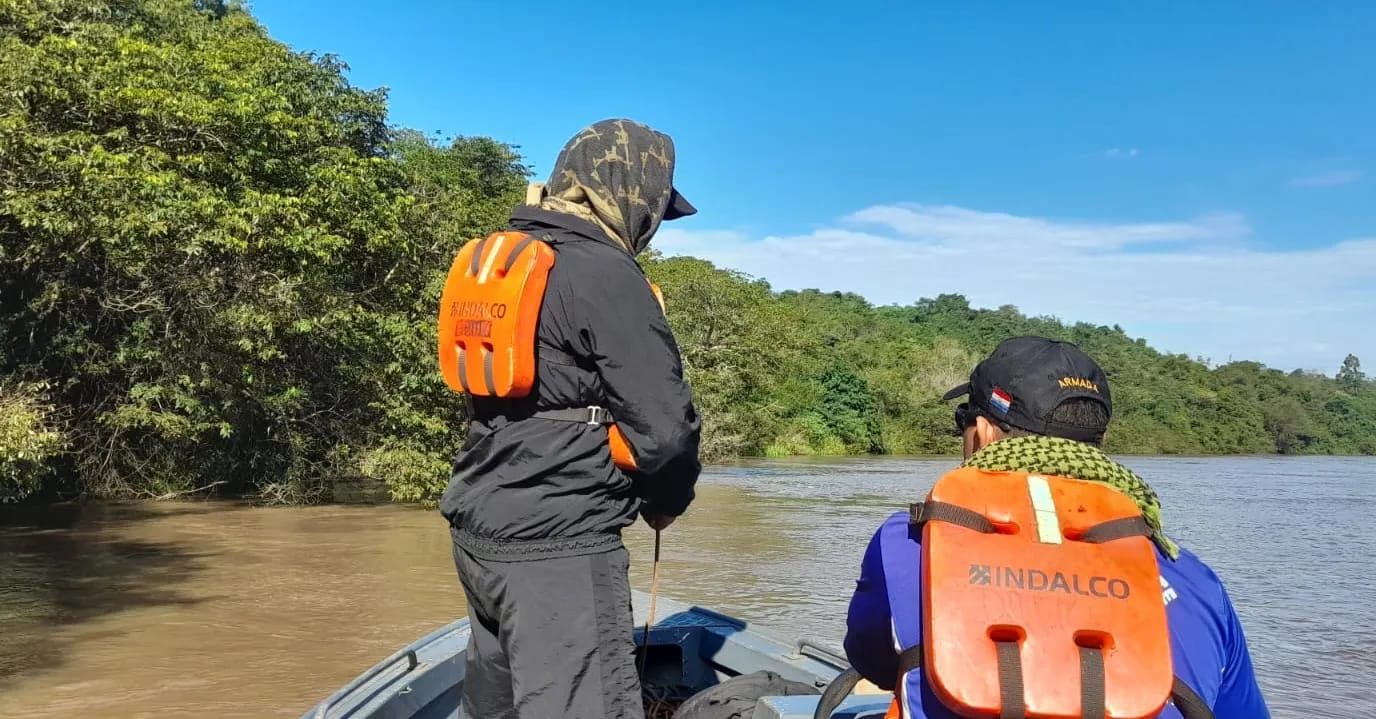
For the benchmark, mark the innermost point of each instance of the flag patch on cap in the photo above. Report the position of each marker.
(1000, 400)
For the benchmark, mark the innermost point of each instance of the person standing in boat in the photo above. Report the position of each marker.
(1039, 409)
(537, 500)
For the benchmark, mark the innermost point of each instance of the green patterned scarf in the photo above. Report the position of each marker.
(1076, 460)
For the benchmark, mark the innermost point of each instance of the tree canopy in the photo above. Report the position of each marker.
(218, 258)
(219, 266)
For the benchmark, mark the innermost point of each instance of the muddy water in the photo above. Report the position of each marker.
(222, 609)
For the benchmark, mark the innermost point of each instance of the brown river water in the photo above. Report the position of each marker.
(231, 610)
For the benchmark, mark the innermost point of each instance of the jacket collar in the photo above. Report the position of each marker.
(526, 217)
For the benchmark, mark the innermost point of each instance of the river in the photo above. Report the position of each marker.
(230, 610)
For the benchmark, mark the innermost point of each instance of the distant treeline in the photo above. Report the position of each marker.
(219, 267)
(814, 372)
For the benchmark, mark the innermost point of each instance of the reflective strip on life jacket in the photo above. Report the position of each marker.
(1041, 598)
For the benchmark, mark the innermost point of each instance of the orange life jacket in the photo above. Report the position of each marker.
(488, 316)
(1041, 599)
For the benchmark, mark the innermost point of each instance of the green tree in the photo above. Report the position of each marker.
(1289, 425)
(1350, 376)
(744, 354)
(851, 412)
(29, 439)
(216, 255)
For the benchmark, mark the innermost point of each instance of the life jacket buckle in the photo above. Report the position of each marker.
(599, 416)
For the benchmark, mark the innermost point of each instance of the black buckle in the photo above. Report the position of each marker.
(599, 416)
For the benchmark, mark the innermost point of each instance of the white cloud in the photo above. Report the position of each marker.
(1328, 179)
(1188, 286)
(1120, 153)
(957, 224)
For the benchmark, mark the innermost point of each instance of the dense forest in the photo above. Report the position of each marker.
(219, 265)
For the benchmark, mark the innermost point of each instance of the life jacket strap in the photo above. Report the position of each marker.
(1010, 681)
(479, 254)
(1093, 691)
(1120, 528)
(489, 373)
(923, 512)
(908, 660)
(1190, 704)
(1010, 677)
(1092, 688)
(594, 415)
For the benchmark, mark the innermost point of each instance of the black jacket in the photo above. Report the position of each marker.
(525, 487)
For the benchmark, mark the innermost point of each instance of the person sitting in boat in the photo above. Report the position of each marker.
(581, 419)
(1031, 615)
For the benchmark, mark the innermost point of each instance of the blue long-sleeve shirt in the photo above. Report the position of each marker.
(1207, 643)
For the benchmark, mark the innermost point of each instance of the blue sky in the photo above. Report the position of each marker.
(1201, 174)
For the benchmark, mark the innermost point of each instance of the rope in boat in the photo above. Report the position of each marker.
(658, 706)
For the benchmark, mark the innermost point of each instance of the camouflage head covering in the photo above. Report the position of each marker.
(618, 174)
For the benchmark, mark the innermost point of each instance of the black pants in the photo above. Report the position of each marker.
(550, 638)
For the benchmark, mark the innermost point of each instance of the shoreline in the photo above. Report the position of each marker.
(375, 492)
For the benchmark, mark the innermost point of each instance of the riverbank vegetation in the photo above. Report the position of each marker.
(219, 265)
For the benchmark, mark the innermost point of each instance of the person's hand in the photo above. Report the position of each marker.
(658, 522)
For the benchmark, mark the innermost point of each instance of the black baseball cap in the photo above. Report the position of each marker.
(1026, 378)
